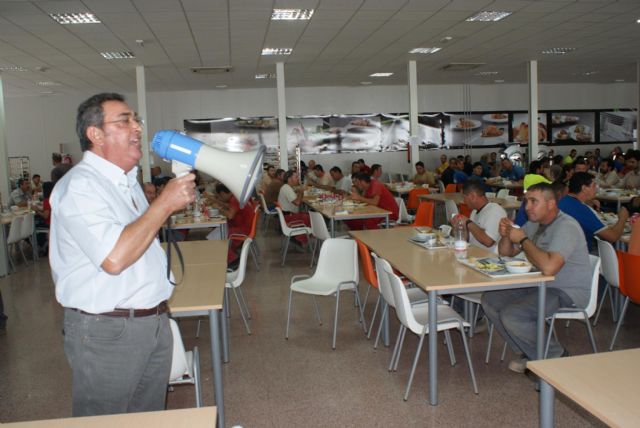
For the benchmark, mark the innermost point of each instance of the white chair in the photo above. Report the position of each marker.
(295, 228)
(579, 313)
(404, 216)
(337, 271)
(416, 319)
(440, 186)
(503, 193)
(266, 211)
(319, 231)
(185, 365)
(511, 198)
(609, 270)
(450, 209)
(27, 229)
(15, 236)
(474, 299)
(490, 194)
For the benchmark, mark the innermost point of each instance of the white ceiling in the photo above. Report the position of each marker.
(344, 42)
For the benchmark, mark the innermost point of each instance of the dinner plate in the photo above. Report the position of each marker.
(489, 118)
(577, 136)
(562, 119)
(475, 125)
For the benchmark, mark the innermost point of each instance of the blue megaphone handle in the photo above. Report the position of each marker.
(174, 146)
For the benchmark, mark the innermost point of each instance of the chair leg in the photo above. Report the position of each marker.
(385, 309)
(401, 338)
(452, 356)
(620, 319)
(313, 252)
(486, 357)
(604, 295)
(413, 368)
(198, 329)
(466, 351)
(196, 376)
(244, 318)
(244, 303)
(315, 305)
(373, 317)
(504, 351)
(286, 331)
(13, 266)
(335, 320)
(551, 331)
(254, 255)
(366, 296)
(396, 347)
(21, 248)
(590, 333)
(361, 310)
(284, 252)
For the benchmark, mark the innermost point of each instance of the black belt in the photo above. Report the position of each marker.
(135, 313)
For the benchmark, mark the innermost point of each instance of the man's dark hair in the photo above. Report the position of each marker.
(634, 205)
(557, 159)
(579, 161)
(221, 188)
(90, 113)
(360, 160)
(56, 157)
(289, 174)
(21, 181)
(355, 162)
(336, 169)
(318, 167)
(635, 154)
(610, 163)
(578, 180)
(363, 176)
(47, 188)
(160, 182)
(545, 188)
(534, 166)
(279, 171)
(559, 188)
(420, 163)
(375, 167)
(473, 186)
(35, 175)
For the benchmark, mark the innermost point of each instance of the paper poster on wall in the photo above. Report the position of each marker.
(234, 134)
(520, 128)
(617, 126)
(488, 129)
(430, 129)
(573, 127)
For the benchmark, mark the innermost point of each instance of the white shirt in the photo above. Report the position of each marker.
(286, 197)
(488, 219)
(344, 184)
(325, 180)
(90, 207)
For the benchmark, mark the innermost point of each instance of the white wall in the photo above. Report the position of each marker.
(36, 126)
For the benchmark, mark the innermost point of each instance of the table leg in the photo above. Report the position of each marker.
(333, 228)
(542, 296)
(433, 349)
(216, 362)
(547, 404)
(225, 328)
(386, 220)
(385, 329)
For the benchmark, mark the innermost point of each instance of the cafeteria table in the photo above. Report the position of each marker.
(202, 417)
(505, 184)
(202, 222)
(401, 189)
(615, 196)
(438, 273)
(200, 292)
(348, 210)
(5, 221)
(604, 384)
(458, 198)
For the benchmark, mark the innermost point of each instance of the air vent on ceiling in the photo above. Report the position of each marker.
(462, 66)
(212, 70)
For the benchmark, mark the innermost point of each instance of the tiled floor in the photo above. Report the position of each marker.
(271, 382)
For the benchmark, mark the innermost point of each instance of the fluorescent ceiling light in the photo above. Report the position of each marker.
(589, 73)
(366, 83)
(424, 50)
(48, 83)
(487, 73)
(488, 16)
(277, 51)
(619, 80)
(221, 86)
(117, 55)
(381, 75)
(558, 51)
(74, 18)
(291, 14)
(499, 81)
(266, 76)
(11, 68)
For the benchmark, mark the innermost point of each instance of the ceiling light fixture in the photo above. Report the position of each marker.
(557, 51)
(48, 83)
(74, 18)
(589, 73)
(499, 81)
(487, 73)
(381, 75)
(265, 76)
(366, 83)
(424, 50)
(11, 68)
(488, 16)
(221, 86)
(277, 51)
(619, 80)
(117, 55)
(291, 14)
(446, 39)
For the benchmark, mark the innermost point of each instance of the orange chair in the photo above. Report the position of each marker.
(424, 215)
(451, 188)
(629, 272)
(413, 200)
(252, 234)
(370, 276)
(465, 210)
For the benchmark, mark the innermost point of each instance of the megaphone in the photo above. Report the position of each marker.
(239, 171)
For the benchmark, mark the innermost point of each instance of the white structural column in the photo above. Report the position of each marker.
(4, 178)
(142, 111)
(635, 141)
(414, 141)
(532, 67)
(282, 116)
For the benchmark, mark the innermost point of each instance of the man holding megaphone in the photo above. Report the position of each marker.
(108, 267)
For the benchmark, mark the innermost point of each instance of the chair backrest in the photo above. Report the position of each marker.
(414, 201)
(451, 188)
(179, 366)
(402, 303)
(424, 215)
(283, 223)
(511, 198)
(384, 286)
(503, 193)
(254, 222)
(629, 266)
(465, 210)
(263, 202)
(608, 262)
(338, 261)
(403, 215)
(318, 226)
(15, 230)
(367, 265)
(26, 230)
(490, 194)
(235, 278)
(441, 186)
(450, 208)
(594, 261)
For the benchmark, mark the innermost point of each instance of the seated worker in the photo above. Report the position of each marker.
(21, 195)
(310, 176)
(343, 184)
(485, 217)
(631, 179)
(290, 199)
(273, 189)
(423, 176)
(364, 167)
(323, 180)
(607, 176)
(582, 190)
(443, 164)
(553, 242)
(510, 171)
(447, 174)
(36, 184)
(373, 193)
(634, 211)
(459, 176)
(267, 178)
(476, 175)
(376, 171)
(238, 219)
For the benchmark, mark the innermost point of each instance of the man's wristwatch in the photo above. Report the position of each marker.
(522, 242)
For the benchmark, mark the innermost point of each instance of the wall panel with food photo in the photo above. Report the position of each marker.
(234, 134)
(309, 133)
(573, 127)
(355, 133)
(520, 128)
(488, 129)
(617, 126)
(430, 129)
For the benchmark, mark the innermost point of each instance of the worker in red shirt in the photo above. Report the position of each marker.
(238, 219)
(373, 193)
(364, 167)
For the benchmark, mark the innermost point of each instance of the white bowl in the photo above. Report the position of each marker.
(518, 266)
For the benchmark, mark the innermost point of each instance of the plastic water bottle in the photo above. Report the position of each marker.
(460, 245)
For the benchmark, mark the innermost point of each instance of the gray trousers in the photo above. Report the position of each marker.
(119, 365)
(514, 313)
